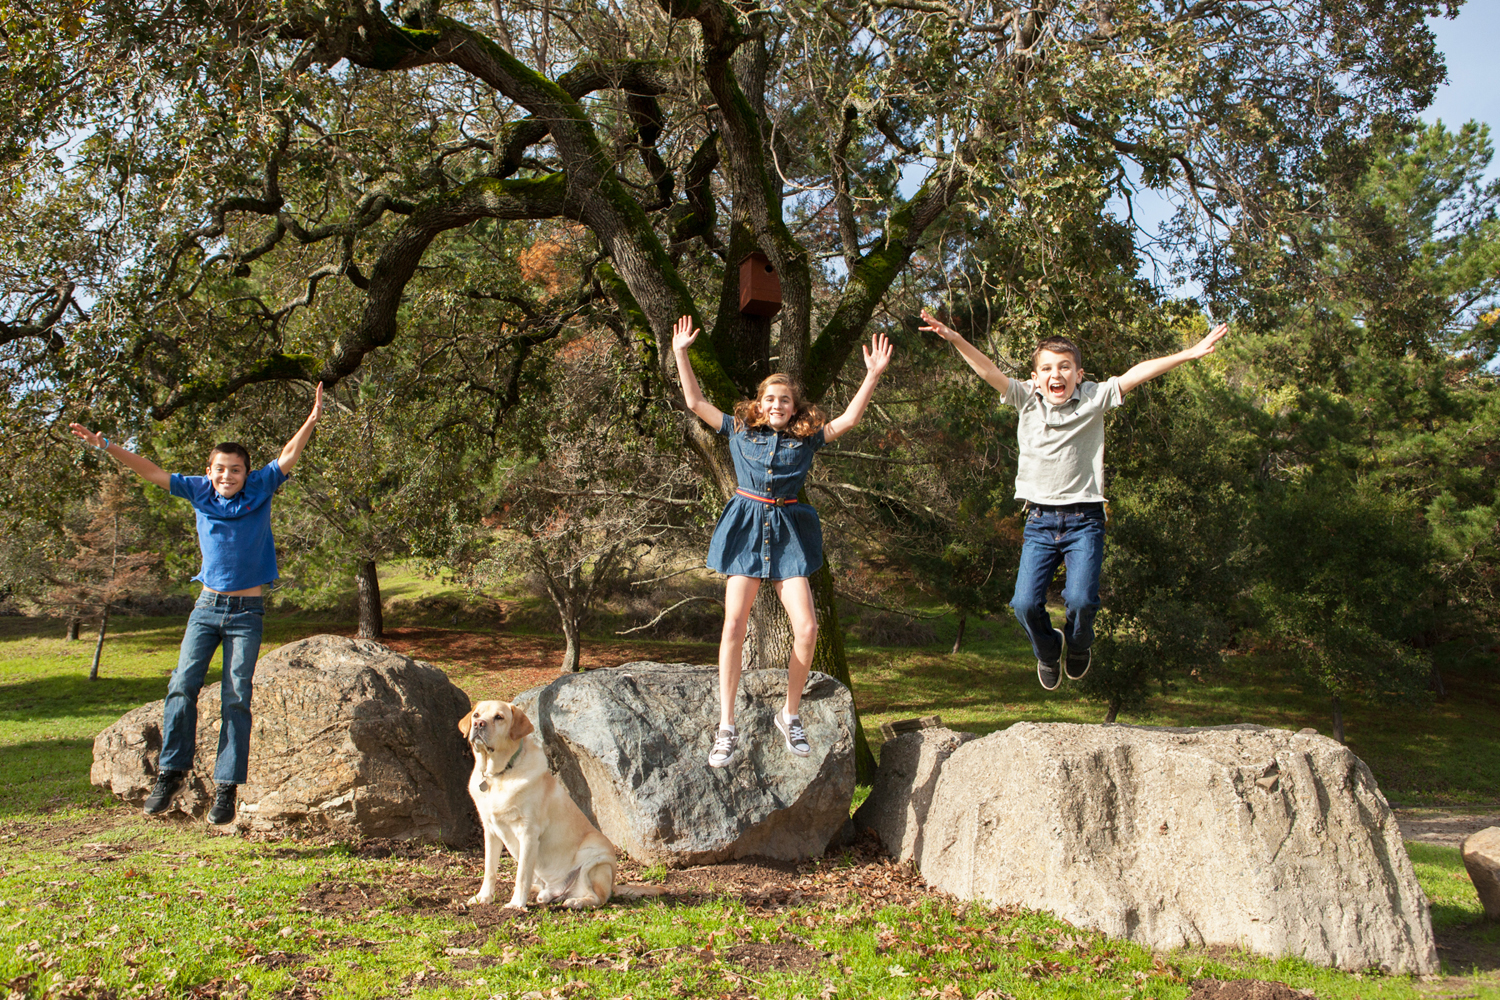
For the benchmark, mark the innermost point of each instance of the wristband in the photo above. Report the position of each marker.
(105, 445)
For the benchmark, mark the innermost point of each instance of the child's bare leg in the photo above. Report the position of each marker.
(796, 596)
(739, 598)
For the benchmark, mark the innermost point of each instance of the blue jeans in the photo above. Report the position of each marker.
(1073, 537)
(235, 623)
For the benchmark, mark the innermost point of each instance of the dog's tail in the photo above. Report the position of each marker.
(640, 891)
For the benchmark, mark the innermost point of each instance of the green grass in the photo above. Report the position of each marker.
(140, 904)
(94, 896)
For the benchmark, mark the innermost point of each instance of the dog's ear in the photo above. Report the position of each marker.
(466, 723)
(520, 725)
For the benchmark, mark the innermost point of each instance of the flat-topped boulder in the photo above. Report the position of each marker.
(347, 735)
(1235, 836)
(631, 744)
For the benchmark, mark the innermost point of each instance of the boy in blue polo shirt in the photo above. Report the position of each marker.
(233, 505)
(1060, 475)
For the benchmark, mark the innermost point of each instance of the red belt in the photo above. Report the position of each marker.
(773, 501)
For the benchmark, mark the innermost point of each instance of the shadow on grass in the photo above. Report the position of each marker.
(1467, 945)
(43, 775)
(70, 696)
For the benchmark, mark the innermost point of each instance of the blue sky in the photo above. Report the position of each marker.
(1468, 44)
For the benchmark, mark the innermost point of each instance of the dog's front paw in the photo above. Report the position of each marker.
(516, 903)
(481, 897)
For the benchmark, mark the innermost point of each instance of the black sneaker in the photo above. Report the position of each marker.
(1050, 674)
(168, 784)
(222, 810)
(1077, 663)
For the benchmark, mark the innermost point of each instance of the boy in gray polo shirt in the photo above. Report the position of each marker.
(1060, 475)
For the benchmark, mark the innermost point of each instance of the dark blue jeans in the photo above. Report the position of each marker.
(235, 623)
(1068, 536)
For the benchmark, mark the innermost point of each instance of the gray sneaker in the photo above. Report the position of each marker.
(791, 729)
(1050, 674)
(723, 749)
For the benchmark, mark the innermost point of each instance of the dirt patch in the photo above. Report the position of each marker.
(1245, 989)
(1447, 829)
(765, 957)
(347, 899)
(514, 663)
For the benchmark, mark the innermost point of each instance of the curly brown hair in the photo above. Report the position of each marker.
(806, 422)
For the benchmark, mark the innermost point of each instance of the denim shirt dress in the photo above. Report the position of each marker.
(765, 540)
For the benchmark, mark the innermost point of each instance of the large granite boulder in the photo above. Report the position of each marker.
(1481, 853)
(901, 795)
(631, 744)
(1235, 836)
(347, 735)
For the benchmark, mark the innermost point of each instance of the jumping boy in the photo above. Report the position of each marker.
(233, 505)
(1060, 476)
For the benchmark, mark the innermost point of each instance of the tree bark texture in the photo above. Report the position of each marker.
(371, 616)
(73, 625)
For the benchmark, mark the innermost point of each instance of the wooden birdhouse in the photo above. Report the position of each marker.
(760, 286)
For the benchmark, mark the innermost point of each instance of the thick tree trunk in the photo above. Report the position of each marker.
(958, 640)
(1114, 710)
(768, 635)
(73, 624)
(99, 646)
(371, 618)
(1338, 719)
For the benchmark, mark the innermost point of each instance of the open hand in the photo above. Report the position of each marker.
(88, 436)
(683, 334)
(1207, 344)
(878, 354)
(317, 410)
(937, 326)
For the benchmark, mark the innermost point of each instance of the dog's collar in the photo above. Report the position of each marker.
(496, 774)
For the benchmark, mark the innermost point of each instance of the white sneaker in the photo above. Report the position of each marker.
(723, 749)
(796, 736)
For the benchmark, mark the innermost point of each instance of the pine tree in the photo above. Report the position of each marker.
(108, 564)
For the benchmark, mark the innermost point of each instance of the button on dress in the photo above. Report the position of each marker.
(770, 541)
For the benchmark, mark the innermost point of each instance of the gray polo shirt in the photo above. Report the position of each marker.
(1062, 447)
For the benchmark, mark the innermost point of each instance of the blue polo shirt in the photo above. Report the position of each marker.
(234, 534)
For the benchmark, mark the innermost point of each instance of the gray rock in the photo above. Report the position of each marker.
(631, 745)
(904, 782)
(1235, 836)
(1482, 859)
(347, 735)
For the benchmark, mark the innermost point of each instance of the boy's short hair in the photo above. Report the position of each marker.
(1057, 345)
(231, 448)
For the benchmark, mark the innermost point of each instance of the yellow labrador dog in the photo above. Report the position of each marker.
(522, 805)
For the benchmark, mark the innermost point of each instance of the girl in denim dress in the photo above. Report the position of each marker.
(765, 533)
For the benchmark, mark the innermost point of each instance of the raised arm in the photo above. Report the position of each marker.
(1148, 370)
(683, 336)
(143, 467)
(877, 356)
(293, 449)
(986, 368)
